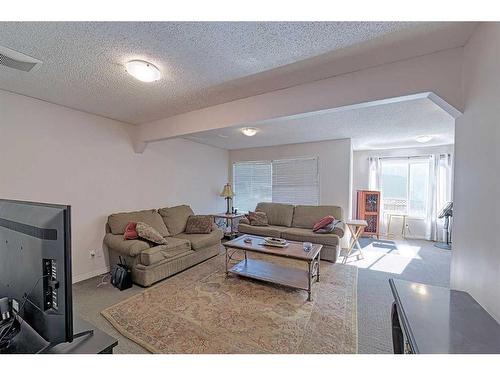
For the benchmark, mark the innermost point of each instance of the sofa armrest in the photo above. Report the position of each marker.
(126, 247)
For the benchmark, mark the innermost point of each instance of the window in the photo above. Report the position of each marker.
(252, 184)
(405, 186)
(294, 181)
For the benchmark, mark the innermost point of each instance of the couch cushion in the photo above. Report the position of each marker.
(307, 216)
(126, 247)
(277, 213)
(200, 241)
(118, 222)
(336, 227)
(175, 218)
(197, 224)
(268, 231)
(130, 231)
(149, 233)
(174, 248)
(327, 220)
(258, 219)
(307, 235)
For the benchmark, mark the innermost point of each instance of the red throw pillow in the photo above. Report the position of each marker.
(323, 222)
(131, 231)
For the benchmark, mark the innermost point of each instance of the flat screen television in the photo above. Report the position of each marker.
(35, 267)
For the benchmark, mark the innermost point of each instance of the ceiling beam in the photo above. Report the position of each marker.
(438, 75)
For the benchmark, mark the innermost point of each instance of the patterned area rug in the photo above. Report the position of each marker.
(202, 311)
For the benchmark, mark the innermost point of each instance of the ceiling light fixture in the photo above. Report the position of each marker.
(249, 132)
(143, 70)
(423, 138)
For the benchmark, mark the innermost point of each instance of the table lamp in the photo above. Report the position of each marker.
(227, 193)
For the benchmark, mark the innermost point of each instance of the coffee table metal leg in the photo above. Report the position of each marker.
(310, 282)
(226, 261)
(319, 262)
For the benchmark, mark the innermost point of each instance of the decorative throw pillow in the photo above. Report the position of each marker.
(258, 219)
(149, 233)
(335, 227)
(199, 224)
(323, 223)
(130, 231)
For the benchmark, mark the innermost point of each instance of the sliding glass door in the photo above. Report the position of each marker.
(405, 189)
(418, 190)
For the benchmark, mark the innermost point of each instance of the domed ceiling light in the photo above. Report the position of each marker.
(423, 138)
(249, 132)
(143, 71)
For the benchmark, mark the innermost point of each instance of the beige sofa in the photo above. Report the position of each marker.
(150, 264)
(295, 223)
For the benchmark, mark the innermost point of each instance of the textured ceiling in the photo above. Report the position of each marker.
(83, 62)
(383, 126)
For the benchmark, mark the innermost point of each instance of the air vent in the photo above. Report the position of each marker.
(16, 60)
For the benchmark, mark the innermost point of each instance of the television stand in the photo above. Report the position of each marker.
(88, 332)
(46, 349)
(430, 319)
(87, 340)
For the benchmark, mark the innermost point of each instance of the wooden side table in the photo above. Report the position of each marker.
(356, 227)
(229, 221)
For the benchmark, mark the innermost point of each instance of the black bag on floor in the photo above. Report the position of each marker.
(121, 277)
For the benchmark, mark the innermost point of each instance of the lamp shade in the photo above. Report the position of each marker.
(227, 191)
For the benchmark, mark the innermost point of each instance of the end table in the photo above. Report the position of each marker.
(230, 220)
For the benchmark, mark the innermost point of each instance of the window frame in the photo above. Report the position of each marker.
(409, 160)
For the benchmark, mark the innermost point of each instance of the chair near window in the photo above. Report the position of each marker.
(405, 226)
(396, 208)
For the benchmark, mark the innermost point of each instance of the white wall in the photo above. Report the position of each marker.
(361, 174)
(476, 248)
(54, 154)
(334, 159)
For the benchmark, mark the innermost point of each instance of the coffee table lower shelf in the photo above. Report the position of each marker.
(265, 271)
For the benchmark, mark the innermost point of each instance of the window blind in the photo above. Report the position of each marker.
(293, 181)
(296, 181)
(252, 184)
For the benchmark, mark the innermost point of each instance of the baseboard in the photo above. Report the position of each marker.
(89, 275)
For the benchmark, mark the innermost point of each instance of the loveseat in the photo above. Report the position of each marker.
(295, 223)
(152, 263)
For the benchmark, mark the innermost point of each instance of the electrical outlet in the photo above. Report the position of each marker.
(99, 253)
(92, 254)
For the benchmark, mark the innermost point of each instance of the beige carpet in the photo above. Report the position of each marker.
(200, 311)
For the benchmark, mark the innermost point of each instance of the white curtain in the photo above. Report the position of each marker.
(374, 173)
(374, 178)
(439, 192)
(431, 220)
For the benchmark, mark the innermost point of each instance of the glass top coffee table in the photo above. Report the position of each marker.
(266, 271)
